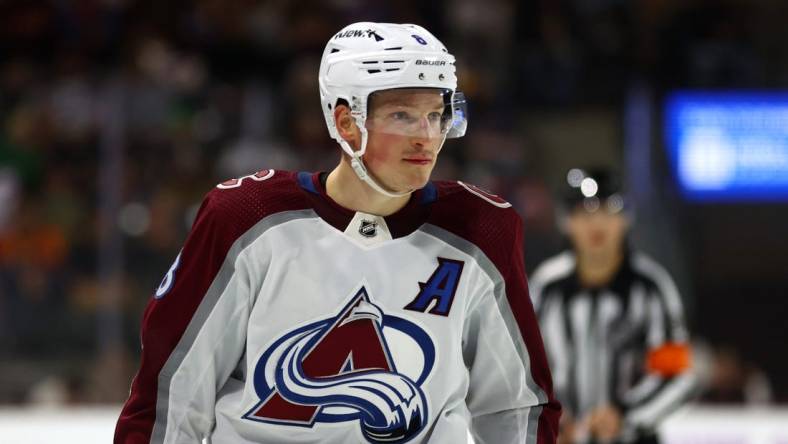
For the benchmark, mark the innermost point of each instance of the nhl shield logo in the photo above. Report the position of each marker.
(368, 228)
(356, 366)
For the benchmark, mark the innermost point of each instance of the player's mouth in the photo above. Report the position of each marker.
(418, 160)
(598, 238)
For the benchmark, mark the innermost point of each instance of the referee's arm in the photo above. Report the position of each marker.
(669, 379)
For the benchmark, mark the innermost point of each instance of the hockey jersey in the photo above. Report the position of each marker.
(287, 318)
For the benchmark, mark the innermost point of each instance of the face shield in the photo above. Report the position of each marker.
(428, 113)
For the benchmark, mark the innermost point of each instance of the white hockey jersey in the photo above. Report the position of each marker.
(287, 318)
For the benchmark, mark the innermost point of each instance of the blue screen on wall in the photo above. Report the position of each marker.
(729, 146)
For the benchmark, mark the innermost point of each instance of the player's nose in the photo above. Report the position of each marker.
(419, 144)
(421, 139)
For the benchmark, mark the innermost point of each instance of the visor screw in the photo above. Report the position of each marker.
(441, 77)
(421, 76)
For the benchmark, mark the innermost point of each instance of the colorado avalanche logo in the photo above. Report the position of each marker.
(343, 369)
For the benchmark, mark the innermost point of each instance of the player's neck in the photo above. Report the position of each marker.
(346, 189)
(598, 270)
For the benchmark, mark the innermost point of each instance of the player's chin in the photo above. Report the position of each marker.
(418, 178)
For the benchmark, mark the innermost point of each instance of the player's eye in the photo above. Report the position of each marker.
(402, 116)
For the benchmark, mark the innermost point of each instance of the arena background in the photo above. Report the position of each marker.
(117, 116)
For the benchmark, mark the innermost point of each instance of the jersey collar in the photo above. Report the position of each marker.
(405, 221)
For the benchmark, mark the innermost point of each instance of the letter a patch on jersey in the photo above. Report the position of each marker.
(440, 287)
(343, 369)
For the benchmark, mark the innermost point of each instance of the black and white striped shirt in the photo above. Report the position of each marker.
(597, 339)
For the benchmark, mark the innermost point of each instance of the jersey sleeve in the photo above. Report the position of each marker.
(510, 396)
(669, 378)
(193, 332)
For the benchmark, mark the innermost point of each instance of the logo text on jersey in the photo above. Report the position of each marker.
(440, 288)
(352, 367)
(235, 183)
(169, 279)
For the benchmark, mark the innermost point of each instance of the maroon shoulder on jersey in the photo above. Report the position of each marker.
(243, 202)
(479, 217)
(227, 212)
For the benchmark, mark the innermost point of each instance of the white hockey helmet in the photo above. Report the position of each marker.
(367, 57)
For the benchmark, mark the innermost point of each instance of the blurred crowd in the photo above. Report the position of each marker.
(117, 116)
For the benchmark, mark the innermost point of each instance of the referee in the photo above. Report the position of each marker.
(612, 322)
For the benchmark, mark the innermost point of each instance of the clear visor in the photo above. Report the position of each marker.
(428, 113)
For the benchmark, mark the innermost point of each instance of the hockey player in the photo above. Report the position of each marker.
(367, 304)
(612, 322)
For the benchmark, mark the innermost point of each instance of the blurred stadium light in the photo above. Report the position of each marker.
(729, 146)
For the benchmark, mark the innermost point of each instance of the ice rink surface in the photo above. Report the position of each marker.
(691, 425)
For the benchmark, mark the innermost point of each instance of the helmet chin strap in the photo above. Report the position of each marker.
(361, 170)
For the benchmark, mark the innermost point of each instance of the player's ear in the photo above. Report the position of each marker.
(346, 124)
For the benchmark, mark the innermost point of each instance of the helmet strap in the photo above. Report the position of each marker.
(357, 163)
